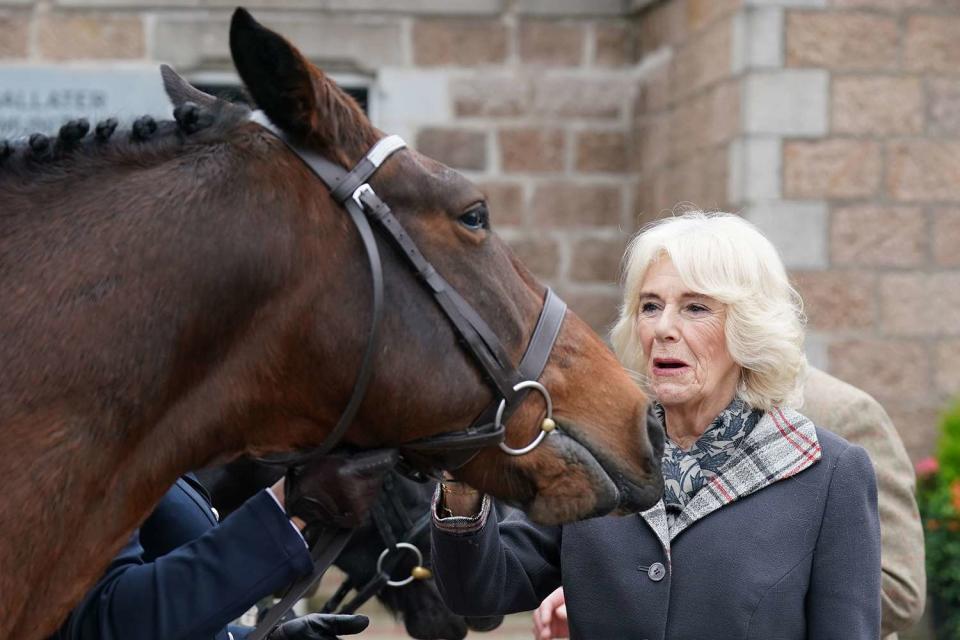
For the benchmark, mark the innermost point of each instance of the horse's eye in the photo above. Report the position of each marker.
(476, 218)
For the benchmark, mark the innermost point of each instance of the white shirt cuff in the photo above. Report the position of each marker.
(279, 506)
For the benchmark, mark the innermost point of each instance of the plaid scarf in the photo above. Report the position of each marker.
(781, 444)
(686, 472)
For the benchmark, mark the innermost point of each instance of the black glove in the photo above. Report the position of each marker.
(337, 490)
(319, 626)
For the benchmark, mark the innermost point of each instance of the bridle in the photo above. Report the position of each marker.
(422, 457)
(449, 451)
(395, 548)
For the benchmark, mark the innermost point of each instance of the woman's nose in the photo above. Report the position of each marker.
(666, 327)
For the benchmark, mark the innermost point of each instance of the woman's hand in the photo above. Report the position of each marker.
(550, 618)
(458, 498)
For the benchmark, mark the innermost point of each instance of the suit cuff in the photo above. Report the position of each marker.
(278, 525)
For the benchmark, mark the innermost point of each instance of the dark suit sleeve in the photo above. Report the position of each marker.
(844, 598)
(502, 567)
(192, 592)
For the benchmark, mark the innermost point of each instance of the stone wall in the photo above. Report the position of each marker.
(874, 175)
(539, 116)
(688, 108)
(832, 124)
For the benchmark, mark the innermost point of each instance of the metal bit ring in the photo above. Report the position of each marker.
(546, 426)
(386, 552)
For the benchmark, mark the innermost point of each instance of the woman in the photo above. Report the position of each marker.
(768, 527)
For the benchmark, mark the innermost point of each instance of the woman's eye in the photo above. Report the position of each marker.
(476, 219)
(648, 308)
(697, 309)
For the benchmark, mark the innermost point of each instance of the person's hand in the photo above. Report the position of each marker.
(336, 490)
(319, 626)
(550, 618)
(458, 498)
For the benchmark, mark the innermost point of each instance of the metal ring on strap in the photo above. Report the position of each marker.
(546, 426)
(386, 552)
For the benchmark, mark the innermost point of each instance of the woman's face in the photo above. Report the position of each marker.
(682, 335)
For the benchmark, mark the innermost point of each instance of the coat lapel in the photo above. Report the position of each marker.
(783, 444)
(656, 519)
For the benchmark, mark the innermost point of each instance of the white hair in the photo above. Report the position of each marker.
(723, 256)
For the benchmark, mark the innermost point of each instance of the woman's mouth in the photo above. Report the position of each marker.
(667, 367)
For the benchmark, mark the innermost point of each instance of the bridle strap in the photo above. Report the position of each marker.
(367, 166)
(338, 180)
(359, 175)
(325, 550)
(373, 586)
(481, 340)
(366, 365)
(544, 336)
(481, 432)
(535, 357)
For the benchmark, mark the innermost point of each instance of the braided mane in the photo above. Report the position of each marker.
(147, 139)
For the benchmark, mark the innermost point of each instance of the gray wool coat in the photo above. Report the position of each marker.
(796, 558)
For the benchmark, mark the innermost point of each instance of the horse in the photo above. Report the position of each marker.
(399, 515)
(183, 292)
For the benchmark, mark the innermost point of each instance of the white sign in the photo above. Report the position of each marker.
(42, 98)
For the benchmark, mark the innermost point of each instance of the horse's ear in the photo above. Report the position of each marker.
(180, 91)
(296, 95)
(276, 74)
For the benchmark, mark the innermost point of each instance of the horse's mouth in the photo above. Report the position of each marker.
(631, 496)
(610, 490)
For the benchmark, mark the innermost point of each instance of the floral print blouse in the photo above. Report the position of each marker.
(686, 472)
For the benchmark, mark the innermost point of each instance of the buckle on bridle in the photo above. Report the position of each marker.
(546, 427)
(359, 192)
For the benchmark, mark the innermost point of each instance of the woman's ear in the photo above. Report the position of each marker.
(278, 77)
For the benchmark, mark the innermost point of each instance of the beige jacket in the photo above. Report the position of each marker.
(851, 413)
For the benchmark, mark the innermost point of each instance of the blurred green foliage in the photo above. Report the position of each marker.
(938, 496)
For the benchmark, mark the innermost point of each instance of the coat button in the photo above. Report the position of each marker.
(656, 572)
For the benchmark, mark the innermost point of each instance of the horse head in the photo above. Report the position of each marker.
(601, 458)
